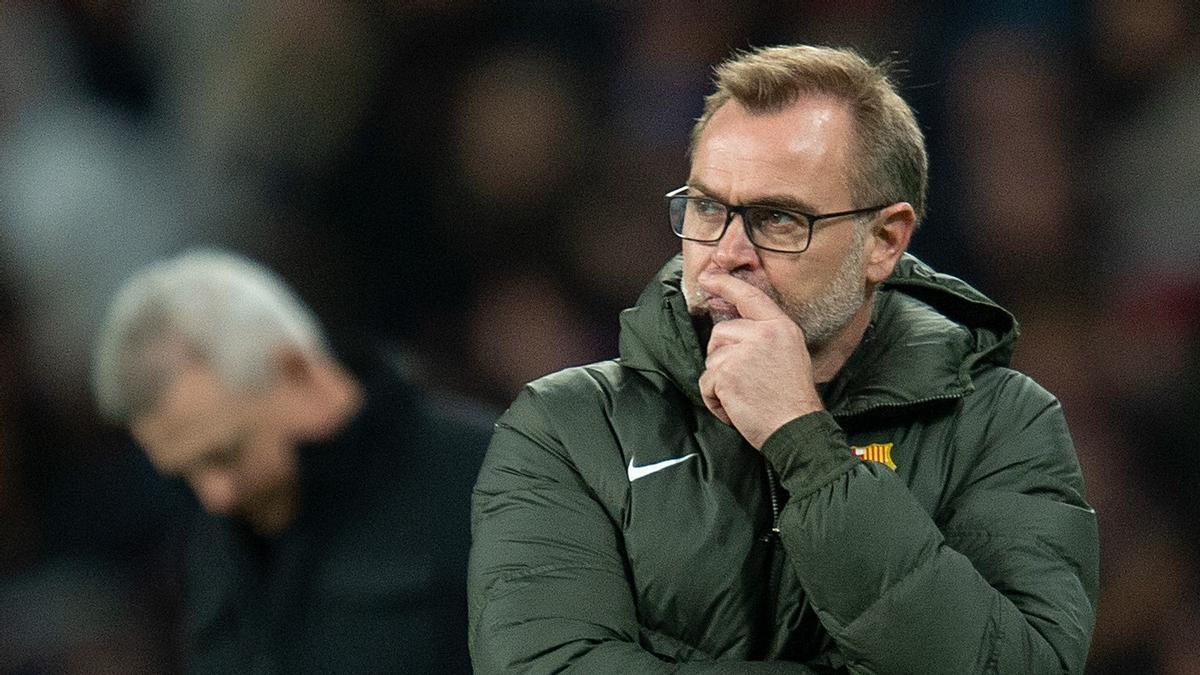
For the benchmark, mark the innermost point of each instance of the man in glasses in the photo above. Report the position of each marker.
(811, 455)
(334, 537)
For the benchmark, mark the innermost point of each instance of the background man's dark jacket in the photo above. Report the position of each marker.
(370, 577)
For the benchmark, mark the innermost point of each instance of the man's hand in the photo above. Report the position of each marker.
(758, 373)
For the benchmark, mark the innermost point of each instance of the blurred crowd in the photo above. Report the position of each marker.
(482, 181)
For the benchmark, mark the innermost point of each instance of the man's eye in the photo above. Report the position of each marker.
(222, 459)
(226, 456)
(779, 221)
(708, 208)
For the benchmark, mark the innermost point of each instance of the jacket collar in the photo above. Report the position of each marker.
(929, 333)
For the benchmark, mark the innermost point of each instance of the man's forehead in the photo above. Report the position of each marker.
(803, 124)
(800, 150)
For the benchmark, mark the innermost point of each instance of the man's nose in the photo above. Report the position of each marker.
(217, 491)
(734, 248)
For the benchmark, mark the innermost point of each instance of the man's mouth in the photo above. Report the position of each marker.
(721, 309)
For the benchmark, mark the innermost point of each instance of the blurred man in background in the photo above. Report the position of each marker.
(812, 450)
(335, 532)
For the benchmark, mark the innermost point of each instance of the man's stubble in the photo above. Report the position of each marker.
(821, 318)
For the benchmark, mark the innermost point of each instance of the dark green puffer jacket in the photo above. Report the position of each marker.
(619, 527)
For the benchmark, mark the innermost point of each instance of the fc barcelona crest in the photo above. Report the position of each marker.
(875, 452)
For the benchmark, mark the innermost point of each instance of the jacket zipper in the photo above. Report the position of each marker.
(772, 541)
(773, 491)
(882, 406)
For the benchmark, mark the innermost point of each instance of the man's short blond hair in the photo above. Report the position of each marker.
(888, 161)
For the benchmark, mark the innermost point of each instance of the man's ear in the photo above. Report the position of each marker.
(293, 366)
(888, 240)
(322, 393)
(305, 391)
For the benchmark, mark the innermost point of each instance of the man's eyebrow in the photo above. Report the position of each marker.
(697, 186)
(785, 202)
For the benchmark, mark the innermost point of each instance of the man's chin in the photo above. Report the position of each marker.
(269, 517)
(266, 523)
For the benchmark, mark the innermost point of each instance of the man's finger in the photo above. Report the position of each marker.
(730, 332)
(750, 301)
(711, 401)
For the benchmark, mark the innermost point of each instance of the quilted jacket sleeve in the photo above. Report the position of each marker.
(1002, 579)
(548, 586)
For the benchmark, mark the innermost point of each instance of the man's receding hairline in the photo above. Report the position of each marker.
(888, 157)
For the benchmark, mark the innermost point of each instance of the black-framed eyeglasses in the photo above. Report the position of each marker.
(705, 220)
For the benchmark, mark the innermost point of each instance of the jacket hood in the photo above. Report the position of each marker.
(929, 332)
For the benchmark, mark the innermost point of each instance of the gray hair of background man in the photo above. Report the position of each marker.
(889, 163)
(204, 306)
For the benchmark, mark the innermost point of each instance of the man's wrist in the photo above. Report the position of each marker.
(798, 410)
(808, 451)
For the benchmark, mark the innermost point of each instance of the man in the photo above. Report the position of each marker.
(336, 534)
(811, 455)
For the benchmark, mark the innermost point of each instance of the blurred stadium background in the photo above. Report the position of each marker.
(481, 181)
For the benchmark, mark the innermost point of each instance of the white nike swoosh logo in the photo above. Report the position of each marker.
(636, 472)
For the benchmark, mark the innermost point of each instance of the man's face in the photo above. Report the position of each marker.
(798, 158)
(237, 451)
